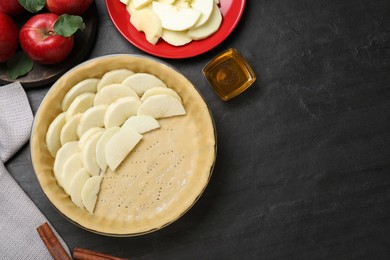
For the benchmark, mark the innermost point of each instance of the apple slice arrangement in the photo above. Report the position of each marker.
(103, 119)
(178, 22)
(45, 38)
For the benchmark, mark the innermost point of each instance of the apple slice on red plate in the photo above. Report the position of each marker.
(231, 11)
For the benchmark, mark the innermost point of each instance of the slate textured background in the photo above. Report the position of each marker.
(303, 165)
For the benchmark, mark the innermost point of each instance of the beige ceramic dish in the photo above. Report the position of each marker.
(160, 179)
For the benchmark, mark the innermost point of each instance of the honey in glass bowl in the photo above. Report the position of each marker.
(229, 74)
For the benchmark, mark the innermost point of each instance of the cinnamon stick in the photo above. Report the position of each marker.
(52, 243)
(85, 254)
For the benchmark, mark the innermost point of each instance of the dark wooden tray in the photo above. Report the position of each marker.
(42, 75)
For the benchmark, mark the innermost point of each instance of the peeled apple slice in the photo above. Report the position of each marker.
(210, 27)
(113, 77)
(80, 104)
(88, 134)
(119, 111)
(76, 185)
(69, 131)
(204, 6)
(63, 154)
(53, 134)
(120, 145)
(130, 8)
(161, 106)
(71, 167)
(141, 123)
(87, 85)
(176, 18)
(101, 147)
(175, 38)
(138, 4)
(158, 91)
(112, 92)
(140, 82)
(182, 3)
(147, 21)
(88, 153)
(168, 2)
(89, 193)
(93, 117)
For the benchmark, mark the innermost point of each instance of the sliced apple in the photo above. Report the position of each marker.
(168, 2)
(63, 154)
(88, 134)
(53, 135)
(76, 185)
(161, 106)
(138, 4)
(112, 92)
(125, 2)
(176, 38)
(101, 147)
(141, 123)
(157, 91)
(176, 18)
(113, 77)
(88, 153)
(69, 131)
(92, 117)
(130, 8)
(205, 7)
(183, 3)
(70, 168)
(140, 82)
(89, 193)
(80, 104)
(87, 85)
(120, 145)
(147, 21)
(119, 111)
(210, 27)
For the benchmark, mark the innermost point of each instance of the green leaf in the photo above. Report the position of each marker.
(66, 25)
(20, 64)
(33, 6)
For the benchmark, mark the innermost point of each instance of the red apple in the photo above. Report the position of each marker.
(11, 7)
(41, 43)
(74, 7)
(8, 37)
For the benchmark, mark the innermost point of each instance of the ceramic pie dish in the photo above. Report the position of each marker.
(160, 179)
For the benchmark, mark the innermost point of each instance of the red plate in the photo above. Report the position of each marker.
(231, 11)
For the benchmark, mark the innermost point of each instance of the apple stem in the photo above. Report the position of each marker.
(51, 32)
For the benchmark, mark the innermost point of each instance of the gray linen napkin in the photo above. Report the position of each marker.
(19, 217)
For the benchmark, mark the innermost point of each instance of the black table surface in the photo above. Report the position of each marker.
(303, 163)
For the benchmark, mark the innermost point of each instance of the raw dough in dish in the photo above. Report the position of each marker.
(166, 172)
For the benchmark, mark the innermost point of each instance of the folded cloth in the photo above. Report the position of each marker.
(19, 217)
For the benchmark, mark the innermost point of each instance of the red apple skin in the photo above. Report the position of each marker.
(40, 43)
(74, 7)
(11, 7)
(8, 37)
